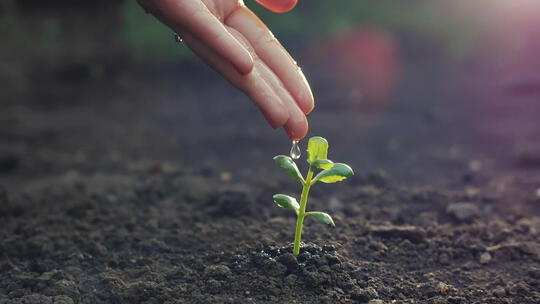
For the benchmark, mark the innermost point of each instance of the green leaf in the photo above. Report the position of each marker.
(288, 164)
(323, 217)
(317, 148)
(321, 164)
(337, 173)
(285, 201)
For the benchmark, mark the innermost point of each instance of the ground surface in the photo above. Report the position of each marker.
(154, 185)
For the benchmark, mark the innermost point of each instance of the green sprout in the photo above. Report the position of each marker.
(331, 173)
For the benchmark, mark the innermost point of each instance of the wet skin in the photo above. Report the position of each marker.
(237, 44)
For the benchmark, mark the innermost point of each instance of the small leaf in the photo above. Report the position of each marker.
(288, 164)
(321, 164)
(323, 217)
(285, 201)
(317, 148)
(337, 173)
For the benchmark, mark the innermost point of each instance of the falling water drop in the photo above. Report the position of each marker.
(295, 150)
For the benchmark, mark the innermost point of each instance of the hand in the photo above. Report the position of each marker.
(235, 42)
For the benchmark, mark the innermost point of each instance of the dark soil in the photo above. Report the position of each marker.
(161, 234)
(154, 185)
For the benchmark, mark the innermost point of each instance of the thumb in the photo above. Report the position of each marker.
(278, 6)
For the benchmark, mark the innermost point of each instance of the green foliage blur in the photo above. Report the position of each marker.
(147, 38)
(310, 21)
(124, 27)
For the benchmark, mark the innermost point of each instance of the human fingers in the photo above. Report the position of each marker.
(197, 18)
(296, 126)
(274, 55)
(254, 84)
(261, 85)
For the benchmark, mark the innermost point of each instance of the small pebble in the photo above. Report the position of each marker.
(364, 295)
(499, 292)
(218, 272)
(475, 165)
(444, 288)
(463, 212)
(444, 259)
(225, 176)
(485, 258)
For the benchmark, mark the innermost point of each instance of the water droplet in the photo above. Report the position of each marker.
(295, 150)
(177, 38)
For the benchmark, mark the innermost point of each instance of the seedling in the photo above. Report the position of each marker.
(331, 173)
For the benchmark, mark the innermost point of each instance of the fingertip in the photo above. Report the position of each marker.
(310, 108)
(296, 129)
(244, 65)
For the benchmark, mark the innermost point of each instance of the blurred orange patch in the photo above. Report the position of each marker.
(363, 59)
(278, 6)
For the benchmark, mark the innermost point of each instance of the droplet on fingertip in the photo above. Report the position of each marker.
(177, 38)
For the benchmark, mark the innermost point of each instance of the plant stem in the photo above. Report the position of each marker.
(302, 212)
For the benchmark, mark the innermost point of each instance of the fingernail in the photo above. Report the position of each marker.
(245, 68)
(306, 95)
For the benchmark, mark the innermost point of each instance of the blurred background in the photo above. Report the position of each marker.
(428, 91)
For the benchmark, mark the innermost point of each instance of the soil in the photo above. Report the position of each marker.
(154, 185)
